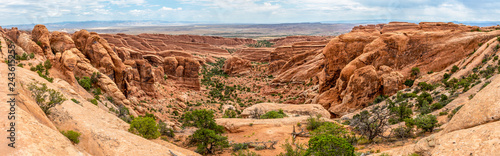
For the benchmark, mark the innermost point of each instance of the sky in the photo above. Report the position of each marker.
(246, 11)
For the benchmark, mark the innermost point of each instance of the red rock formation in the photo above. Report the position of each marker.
(237, 66)
(392, 49)
(254, 54)
(41, 36)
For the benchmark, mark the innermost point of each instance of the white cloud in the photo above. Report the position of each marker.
(127, 2)
(170, 9)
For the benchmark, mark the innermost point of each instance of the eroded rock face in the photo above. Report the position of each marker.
(24, 41)
(41, 36)
(60, 42)
(237, 66)
(102, 133)
(392, 50)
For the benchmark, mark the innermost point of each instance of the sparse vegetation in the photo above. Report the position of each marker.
(370, 123)
(145, 127)
(207, 138)
(327, 144)
(45, 97)
(261, 43)
(72, 136)
(273, 115)
(426, 122)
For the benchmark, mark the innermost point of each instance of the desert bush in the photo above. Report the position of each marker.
(72, 136)
(409, 82)
(336, 130)
(239, 146)
(327, 144)
(94, 101)
(415, 71)
(208, 141)
(299, 149)
(402, 132)
(45, 98)
(426, 87)
(85, 82)
(145, 126)
(370, 123)
(424, 98)
(454, 111)
(454, 69)
(436, 106)
(75, 101)
(273, 115)
(399, 112)
(379, 99)
(230, 114)
(207, 138)
(426, 122)
(314, 122)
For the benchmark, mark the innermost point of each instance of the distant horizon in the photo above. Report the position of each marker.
(137, 23)
(23, 12)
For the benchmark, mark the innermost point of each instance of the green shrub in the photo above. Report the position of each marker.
(446, 76)
(402, 132)
(454, 111)
(85, 82)
(443, 113)
(415, 71)
(379, 99)
(327, 144)
(273, 115)
(436, 106)
(314, 123)
(299, 150)
(110, 99)
(336, 130)
(45, 98)
(409, 82)
(97, 91)
(454, 69)
(400, 112)
(426, 87)
(75, 101)
(208, 141)
(426, 122)
(93, 101)
(239, 146)
(145, 126)
(72, 136)
(424, 97)
(425, 109)
(230, 114)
